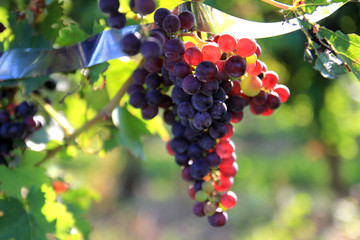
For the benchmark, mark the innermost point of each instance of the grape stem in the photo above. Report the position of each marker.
(278, 4)
(104, 113)
(54, 114)
(198, 40)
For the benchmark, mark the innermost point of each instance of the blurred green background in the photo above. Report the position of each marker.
(299, 170)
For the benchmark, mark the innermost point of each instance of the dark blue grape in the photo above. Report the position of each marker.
(202, 120)
(169, 117)
(130, 43)
(137, 99)
(117, 20)
(153, 80)
(220, 95)
(154, 97)
(217, 130)
(191, 85)
(149, 112)
(171, 23)
(194, 151)
(218, 109)
(151, 48)
(159, 16)
(159, 35)
(201, 102)
(206, 71)
(174, 49)
(179, 145)
(235, 66)
(207, 142)
(153, 65)
(209, 88)
(182, 159)
(166, 102)
(192, 134)
(187, 20)
(219, 219)
(25, 109)
(185, 110)
(178, 95)
(213, 159)
(17, 130)
(273, 101)
(199, 169)
(109, 6)
(227, 85)
(135, 87)
(145, 6)
(235, 103)
(260, 99)
(139, 75)
(181, 69)
(177, 129)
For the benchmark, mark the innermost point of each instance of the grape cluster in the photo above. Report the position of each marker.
(116, 19)
(17, 123)
(203, 87)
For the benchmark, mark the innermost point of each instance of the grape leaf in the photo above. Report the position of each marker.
(346, 47)
(12, 180)
(96, 71)
(131, 130)
(31, 84)
(24, 221)
(70, 34)
(52, 23)
(311, 6)
(23, 32)
(329, 65)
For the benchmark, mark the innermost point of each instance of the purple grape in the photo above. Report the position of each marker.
(236, 103)
(206, 142)
(235, 66)
(218, 109)
(145, 6)
(149, 112)
(174, 49)
(154, 97)
(209, 88)
(169, 117)
(135, 87)
(261, 98)
(25, 109)
(199, 169)
(213, 159)
(182, 159)
(137, 99)
(219, 219)
(202, 120)
(273, 101)
(117, 20)
(185, 110)
(191, 85)
(182, 69)
(194, 151)
(109, 6)
(217, 130)
(171, 23)
(220, 95)
(177, 129)
(187, 20)
(201, 102)
(4, 116)
(17, 130)
(151, 48)
(153, 80)
(227, 85)
(206, 71)
(178, 95)
(198, 209)
(179, 145)
(130, 43)
(139, 75)
(159, 16)
(153, 65)
(159, 35)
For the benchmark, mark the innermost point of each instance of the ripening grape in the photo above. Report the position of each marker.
(251, 86)
(246, 47)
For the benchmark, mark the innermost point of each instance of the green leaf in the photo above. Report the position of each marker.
(52, 23)
(346, 46)
(12, 180)
(323, 6)
(25, 221)
(31, 84)
(97, 72)
(131, 130)
(69, 35)
(329, 65)
(22, 31)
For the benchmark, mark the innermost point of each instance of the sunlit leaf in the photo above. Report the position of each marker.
(25, 221)
(346, 46)
(329, 65)
(52, 23)
(69, 35)
(321, 5)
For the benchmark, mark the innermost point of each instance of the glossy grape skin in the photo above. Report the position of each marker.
(145, 6)
(171, 23)
(174, 49)
(191, 85)
(202, 102)
(206, 71)
(117, 20)
(219, 219)
(130, 43)
(187, 20)
(149, 112)
(151, 48)
(235, 66)
(199, 169)
(159, 16)
(109, 6)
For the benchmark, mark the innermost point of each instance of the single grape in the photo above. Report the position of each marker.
(149, 112)
(130, 43)
(154, 97)
(151, 48)
(257, 109)
(209, 88)
(227, 43)
(213, 160)
(235, 103)
(200, 196)
(153, 65)
(225, 148)
(171, 23)
(153, 80)
(145, 6)
(109, 6)
(228, 200)
(182, 159)
(206, 142)
(117, 20)
(251, 86)
(283, 92)
(211, 52)
(202, 102)
(217, 130)
(198, 208)
(185, 110)
(139, 75)
(193, 56)
(178, 95)
(219, 219)
(187, 20)
(202, 120)
(179, 145)
(229, 171)
(199, 169)
(218, 109)
(235, 66)
(194, 151)
(174, 49)
(206, 71)
(246, 47)
(182, 69)
(260, 99)
(273, 101)
(270, 80)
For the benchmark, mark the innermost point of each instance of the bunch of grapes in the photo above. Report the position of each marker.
(116, 19)
(17, 123)
(203, 87)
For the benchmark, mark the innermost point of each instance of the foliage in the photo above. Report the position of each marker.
(90, 114)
